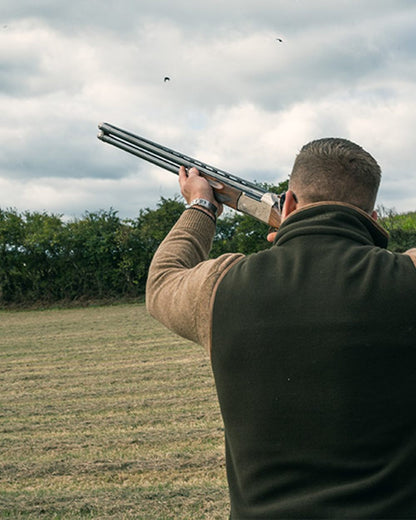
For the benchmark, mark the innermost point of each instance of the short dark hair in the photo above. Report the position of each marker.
(335, 169)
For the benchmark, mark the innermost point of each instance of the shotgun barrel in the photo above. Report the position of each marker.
(229, 189)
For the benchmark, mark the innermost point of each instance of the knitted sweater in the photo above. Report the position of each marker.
(313, 345)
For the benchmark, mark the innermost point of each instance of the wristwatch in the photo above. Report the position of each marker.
(204, 204)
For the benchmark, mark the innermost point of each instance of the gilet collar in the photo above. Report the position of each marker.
(333, 218)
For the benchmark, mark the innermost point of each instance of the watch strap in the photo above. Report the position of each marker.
(204, 204)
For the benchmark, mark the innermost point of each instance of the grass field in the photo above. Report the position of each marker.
(106, 414)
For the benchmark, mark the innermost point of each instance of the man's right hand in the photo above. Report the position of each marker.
(193, 186)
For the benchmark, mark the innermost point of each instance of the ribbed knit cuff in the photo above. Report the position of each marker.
(210, 215)
(199, 223)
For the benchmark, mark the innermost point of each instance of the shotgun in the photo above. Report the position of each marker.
(229, 189)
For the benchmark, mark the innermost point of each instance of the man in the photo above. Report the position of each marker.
(312, 343)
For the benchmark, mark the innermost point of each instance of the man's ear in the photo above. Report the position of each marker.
(374, 215)
(290, 204)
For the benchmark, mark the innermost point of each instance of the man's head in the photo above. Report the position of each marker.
(334, 169)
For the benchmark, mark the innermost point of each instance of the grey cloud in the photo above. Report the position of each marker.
(65, 66)
(125, 15)
(65, 152)
(15, 74)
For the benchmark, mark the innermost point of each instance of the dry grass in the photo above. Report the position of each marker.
(106, 414)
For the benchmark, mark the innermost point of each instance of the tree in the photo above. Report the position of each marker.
(241, 233)
(154, 226)
(12, 268)
(401, 228)
(93, 255)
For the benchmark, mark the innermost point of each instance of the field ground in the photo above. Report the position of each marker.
(106, 414)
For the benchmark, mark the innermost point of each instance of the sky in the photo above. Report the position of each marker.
(238, 98)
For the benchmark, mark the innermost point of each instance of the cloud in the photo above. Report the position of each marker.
(73, 197)
(237, 98)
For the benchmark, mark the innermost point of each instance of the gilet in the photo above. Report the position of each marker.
(314, 359)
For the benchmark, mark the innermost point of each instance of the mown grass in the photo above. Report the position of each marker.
(106, 414)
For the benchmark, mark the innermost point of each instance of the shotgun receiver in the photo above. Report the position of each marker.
(228, 189)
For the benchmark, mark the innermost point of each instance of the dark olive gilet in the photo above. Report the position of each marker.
(314, 358)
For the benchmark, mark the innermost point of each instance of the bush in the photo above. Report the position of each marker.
(99, 256)
(401, 227)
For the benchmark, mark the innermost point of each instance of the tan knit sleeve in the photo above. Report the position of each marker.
(412, 254)
(181, 280)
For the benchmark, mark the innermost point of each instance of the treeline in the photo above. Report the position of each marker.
(401, 228)
(45, 259)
